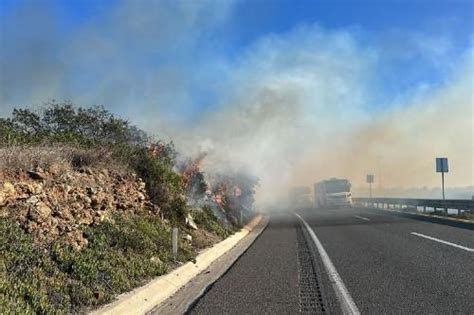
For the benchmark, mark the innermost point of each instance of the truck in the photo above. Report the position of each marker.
(333, 192)
(300, 197)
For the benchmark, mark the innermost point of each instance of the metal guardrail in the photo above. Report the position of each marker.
(462, 205)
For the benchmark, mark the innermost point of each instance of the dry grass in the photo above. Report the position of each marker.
(60, 157)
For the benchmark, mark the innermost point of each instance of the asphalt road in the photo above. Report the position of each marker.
(264, 278)
(387, 262)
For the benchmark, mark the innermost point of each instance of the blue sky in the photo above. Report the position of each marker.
(398, 30)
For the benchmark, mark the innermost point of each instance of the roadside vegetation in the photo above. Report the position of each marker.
(87, 204)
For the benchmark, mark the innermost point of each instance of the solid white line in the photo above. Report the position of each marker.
(347, 303)
(444, 242)
(362, 218)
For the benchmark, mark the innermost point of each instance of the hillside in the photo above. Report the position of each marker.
(87, 204)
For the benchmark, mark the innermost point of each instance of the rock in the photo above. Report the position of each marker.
(54, 203)
(32, 200)
(40, 212)
(37, 188)
(8, 189)
(190, 222)
(65, 214)
(85, 218)
(43, 209)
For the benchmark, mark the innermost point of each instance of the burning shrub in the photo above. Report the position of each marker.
(234, 193)
(193, 179)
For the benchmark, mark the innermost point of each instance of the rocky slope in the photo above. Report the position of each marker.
(52, 204)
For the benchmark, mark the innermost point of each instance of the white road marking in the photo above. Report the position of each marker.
(347, 303)
(444, 242)
(362, 218)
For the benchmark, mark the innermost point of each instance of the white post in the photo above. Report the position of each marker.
(174, 241)
(442, 182)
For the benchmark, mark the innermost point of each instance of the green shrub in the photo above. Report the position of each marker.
(64, 123)
(164, 185)
(206, 220)
(121, 255)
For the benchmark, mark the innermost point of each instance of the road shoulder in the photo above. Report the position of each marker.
(186, 297)
(145, 298)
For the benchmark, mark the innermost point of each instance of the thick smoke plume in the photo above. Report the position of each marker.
(292, 108)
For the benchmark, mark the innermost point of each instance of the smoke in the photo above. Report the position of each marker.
(298, 114)
(291, 108)
(400, 145)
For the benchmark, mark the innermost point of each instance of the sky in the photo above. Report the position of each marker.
(294, 91)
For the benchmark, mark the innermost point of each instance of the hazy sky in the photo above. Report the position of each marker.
(294, 90)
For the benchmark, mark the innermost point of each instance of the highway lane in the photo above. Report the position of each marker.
(263, 280)
(385, 268)
(388, 269)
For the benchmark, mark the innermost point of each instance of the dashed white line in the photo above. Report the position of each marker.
(443, 242)
(362, 218)
(347, 303)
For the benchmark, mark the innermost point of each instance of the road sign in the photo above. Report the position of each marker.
(442, 165)
(370, 179)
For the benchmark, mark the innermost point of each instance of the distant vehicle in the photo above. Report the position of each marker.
(300, 197)
(333, 192)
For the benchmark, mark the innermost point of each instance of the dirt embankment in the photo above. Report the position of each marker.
(53, 203)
